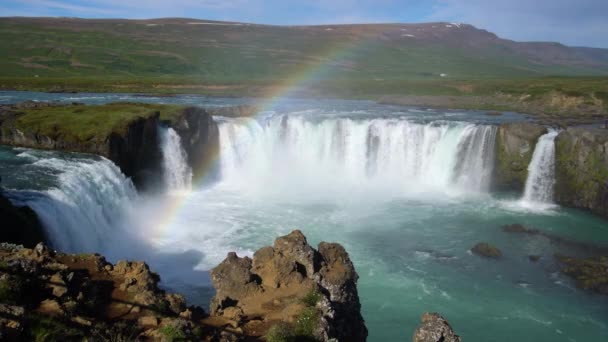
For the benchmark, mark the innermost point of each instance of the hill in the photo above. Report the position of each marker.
(374, 61)
(225, 51)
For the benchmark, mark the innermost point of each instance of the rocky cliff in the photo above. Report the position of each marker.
(131, 141)
(286, 292)
(515, 143)
(291, 290)
(200, 138)
(581, 169)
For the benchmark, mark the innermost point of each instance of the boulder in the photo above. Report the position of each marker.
(435, 328)
(486, 250)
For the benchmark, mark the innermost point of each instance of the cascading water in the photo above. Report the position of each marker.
(296, 152)
(88, 205)
(541, 171)
(177, 172)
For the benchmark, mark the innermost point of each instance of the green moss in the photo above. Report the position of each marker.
(281, 332)
(90, 123)
(312, 298)
(172, 333)
(307, 322)
(48, 329)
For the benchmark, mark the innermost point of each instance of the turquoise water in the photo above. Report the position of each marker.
(409, 241)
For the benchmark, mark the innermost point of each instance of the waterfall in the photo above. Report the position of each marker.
(87, 207)
(541, 171)
(287, 152)
(177, 172)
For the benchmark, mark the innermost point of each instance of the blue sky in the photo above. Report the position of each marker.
(572, 22)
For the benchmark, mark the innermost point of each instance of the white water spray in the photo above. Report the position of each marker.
(297, 153)
(88, 207)
(177, 172)
(541, 171)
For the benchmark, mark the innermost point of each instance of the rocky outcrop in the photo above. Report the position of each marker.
(435, 328)
(291, 289)
(20, 224)
(137, 151)
(581, 169)
(200, 138)
(589, 273)
(486, 250)
(69, 297)
(515, 143)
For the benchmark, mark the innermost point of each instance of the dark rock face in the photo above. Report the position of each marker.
(200, 139)
(20, 225)
(581, 169)
(515, 143)
(291, 283)
(138, 152)
(435, 328)
(486, 250)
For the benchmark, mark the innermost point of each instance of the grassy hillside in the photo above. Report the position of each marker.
(232, 52)
(394, 61)
(86, 123)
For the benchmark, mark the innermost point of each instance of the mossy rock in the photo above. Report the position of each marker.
(486, 250)
(589, 273)
(581, 169)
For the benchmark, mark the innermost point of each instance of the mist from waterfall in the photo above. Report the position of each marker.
(297, 154)
(177, 173)
(541, 171)
(87, 209)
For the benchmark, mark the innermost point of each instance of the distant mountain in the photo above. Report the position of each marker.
(229, 51)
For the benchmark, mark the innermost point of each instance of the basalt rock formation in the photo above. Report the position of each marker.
(435, 328)
(292, 290)
(200, 138)
(515, 143)
(581, 169)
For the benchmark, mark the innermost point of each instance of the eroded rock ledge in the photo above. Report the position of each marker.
(289, 291)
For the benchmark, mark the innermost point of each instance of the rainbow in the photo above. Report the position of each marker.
(305, 75)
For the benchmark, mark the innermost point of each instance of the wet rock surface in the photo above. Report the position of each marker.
(515, 143)
(486, 250)
(581, 169)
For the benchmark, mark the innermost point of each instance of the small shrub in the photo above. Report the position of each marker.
(312, 298)
(11, 290)
(47, 329)
(281, 332)
(172, 333)
(307, 322)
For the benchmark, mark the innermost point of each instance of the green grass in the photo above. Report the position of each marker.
(86, 123)
(172, 333)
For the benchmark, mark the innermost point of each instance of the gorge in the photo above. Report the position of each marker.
(407, 191)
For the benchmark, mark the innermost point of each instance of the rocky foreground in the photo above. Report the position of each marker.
(287, 292)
